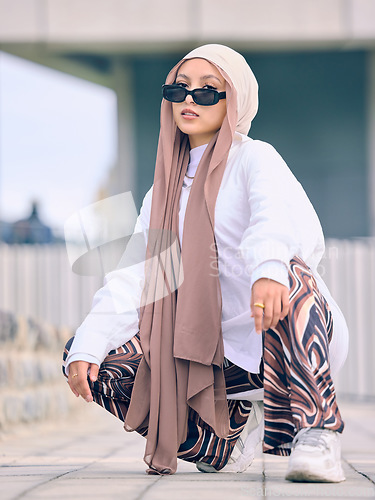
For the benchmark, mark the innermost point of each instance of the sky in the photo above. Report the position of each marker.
(58, 140)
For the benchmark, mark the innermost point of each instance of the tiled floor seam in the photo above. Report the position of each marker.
(59, 476)
(36, 486)
(148, 488)
(359, 472)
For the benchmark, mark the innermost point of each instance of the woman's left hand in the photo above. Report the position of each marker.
(269, 303)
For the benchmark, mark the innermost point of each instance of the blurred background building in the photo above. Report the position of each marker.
(28, 231)
(315, 64)
(314, 60)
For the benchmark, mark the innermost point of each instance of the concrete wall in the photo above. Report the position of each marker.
(32, 387)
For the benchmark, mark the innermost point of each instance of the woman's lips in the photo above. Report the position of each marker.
(189, 114)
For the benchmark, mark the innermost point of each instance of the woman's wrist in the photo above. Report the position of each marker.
(80, 356)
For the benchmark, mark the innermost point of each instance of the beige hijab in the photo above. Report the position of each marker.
(180, 333)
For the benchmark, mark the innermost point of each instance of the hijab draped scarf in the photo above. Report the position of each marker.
(180, 317)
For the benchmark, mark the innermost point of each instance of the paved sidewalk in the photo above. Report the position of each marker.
(90, 456)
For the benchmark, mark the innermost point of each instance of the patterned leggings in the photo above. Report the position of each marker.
(295, 374)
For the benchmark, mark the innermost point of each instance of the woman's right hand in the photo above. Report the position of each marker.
(77, 378)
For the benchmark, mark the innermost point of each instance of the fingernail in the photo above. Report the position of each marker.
(94, 379)
(88, 399)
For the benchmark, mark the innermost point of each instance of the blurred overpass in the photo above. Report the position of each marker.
(130, 45)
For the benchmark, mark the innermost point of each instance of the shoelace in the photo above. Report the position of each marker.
(311, 437)
(241, 444)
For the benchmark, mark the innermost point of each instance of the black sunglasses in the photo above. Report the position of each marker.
(203, 97)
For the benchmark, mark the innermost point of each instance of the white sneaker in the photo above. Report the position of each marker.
(316, 457)
(244, 450)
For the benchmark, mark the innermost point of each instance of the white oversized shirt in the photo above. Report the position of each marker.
(262, 219)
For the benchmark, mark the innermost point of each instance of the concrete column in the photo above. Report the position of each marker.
(125, 170)
(371, 138)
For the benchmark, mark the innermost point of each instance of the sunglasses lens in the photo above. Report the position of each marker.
(205, 97)
(174, 94)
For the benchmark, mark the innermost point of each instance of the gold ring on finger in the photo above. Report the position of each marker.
(259, 304)
(75, 375)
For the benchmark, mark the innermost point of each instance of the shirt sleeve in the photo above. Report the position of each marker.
(114, 316)
(283, 223)
(272, 269)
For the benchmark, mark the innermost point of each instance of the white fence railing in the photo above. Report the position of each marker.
(348, 268)
(37, 281)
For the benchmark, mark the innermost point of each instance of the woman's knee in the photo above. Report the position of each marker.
(67, 347)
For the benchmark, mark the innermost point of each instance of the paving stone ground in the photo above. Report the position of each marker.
(89, 456)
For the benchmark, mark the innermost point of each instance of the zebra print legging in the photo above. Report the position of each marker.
(295, 374)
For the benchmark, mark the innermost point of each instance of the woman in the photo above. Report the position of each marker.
(249, 243)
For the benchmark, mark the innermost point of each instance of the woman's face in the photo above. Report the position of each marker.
(200, 123)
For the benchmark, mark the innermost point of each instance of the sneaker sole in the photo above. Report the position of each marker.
(232, 468)
(306, 475)
(203, 467)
